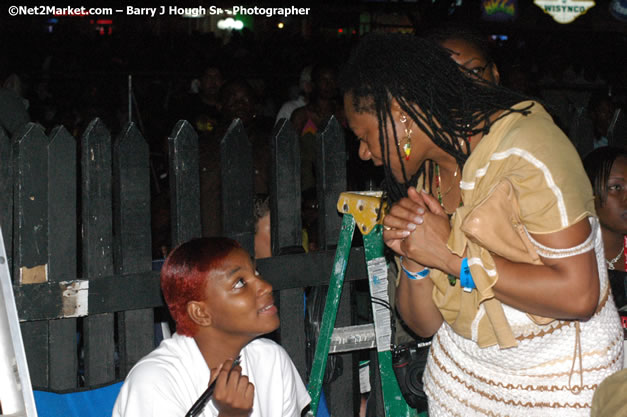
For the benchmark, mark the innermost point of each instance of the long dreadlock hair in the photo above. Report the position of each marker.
(419, 74)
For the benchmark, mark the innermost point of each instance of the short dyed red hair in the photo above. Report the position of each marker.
(184, 275)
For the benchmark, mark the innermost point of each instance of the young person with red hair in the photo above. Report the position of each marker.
(221, 305)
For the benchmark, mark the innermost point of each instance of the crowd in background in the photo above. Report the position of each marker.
(69, 79)
(66, 79)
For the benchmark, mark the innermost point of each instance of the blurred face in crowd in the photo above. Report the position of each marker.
(471, 58)
(601, 116)
(238, 102)
(613, 212)
(211, 82)
(325, 84)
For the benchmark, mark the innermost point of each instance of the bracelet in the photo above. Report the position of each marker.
(465, 277)
(415, 276)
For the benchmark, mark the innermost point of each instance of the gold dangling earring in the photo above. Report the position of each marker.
(407, 138)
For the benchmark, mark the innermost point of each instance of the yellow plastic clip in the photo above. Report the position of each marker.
(364, 206)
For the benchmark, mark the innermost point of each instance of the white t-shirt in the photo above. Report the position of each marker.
(286, 110)
(169, 380)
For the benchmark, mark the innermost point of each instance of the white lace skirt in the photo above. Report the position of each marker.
(542, 376)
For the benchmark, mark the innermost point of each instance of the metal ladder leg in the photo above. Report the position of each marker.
(16, 392)
(363, 207)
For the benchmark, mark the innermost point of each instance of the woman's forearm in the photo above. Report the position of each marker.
(416, 307)
(565, 288)
(556, 291)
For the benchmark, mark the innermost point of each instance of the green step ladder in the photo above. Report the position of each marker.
(361, 209)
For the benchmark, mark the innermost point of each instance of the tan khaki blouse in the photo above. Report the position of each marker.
(524, 177)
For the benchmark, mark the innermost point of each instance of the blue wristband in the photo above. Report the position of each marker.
(465, 277)
(416, 276)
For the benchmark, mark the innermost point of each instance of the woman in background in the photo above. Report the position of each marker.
(607, 169)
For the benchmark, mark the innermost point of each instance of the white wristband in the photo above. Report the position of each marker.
(415, 276)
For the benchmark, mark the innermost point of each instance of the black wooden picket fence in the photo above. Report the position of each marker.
(78, 236)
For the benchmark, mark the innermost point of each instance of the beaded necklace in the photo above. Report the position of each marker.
(623, 251)
(452, 279)
(438, 181)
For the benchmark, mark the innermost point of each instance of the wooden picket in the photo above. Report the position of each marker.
(286, 235)
(131, 227)
(236, 161)
(80, 238)
(184, 183)
(97, 245)
(30, 224)
(62, 250)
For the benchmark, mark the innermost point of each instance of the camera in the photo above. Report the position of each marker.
(409, 361)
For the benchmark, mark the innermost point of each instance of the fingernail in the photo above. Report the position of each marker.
(405, 233)
(421, 210)
(418, 220)
(411, 226)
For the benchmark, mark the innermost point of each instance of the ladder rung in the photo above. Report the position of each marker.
(349, 338)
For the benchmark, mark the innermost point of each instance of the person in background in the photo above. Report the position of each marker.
(510, 279)
(470, 50)
(263, 232)
(237, 101)
(304, 85)
(600, 109)
(308, 120)
(590, 127)
(202, 109)
(607, 170)
(221, 306)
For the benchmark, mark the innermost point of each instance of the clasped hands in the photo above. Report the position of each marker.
(417, 228)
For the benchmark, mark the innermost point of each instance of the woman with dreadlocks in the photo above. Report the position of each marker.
(513, 284)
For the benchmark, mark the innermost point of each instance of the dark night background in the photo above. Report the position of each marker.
(71, 69)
